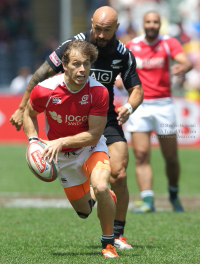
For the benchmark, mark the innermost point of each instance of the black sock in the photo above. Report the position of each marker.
(105, 240)
(119, 228)
(173, 192)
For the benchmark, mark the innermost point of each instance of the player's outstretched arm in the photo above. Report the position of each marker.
(183, 66)
(136, 95)
(30, 121)
(44, 72)
(88, 138)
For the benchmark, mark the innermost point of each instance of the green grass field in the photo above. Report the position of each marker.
(57, 235)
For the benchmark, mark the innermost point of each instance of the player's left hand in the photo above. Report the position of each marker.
(178, 70)
(54, 147)
(123, 115)
(17, 119)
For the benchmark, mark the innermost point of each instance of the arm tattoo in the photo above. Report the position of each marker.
(44, 72)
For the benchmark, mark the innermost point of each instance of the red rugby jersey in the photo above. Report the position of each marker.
(153, 63)
(66, 111)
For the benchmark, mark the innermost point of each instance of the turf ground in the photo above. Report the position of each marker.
(57, 235)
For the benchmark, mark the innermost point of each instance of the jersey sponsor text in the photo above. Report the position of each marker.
(75, 120)
(151, 63)
(55, 59)
(101, 76)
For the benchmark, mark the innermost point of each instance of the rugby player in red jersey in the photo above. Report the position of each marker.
(153, 53)
(76, 107)
(113, 59)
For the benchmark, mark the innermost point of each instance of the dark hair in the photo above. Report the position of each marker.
(84, 47)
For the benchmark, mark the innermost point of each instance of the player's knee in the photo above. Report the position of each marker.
(119, 173)
(119, 180)
(100, 188)
(82, 215)
(141, 157)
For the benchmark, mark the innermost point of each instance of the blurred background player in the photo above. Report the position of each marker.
(76, 114)
(20, 82)
(153, 52)
(113, 58)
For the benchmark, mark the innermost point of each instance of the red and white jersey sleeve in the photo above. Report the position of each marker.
(39, 98)
(66, 111)
(153, 63)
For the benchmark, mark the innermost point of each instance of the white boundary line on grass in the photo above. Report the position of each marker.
(47, 203)
(41, 203)
(41, 200)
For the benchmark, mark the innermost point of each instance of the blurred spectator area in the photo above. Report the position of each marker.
(16, 38)
(30, 30)
(179, 19)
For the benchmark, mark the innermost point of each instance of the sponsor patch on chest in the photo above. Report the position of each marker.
(101, 76)
(151, 63)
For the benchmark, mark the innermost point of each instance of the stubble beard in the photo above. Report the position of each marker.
(108, 49)
(152, 37)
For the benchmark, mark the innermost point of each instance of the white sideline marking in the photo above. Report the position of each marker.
(49, 203)
(38, 203)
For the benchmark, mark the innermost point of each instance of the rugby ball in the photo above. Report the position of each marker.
(41, 168)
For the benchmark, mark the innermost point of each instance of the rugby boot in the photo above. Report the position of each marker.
(145, 208)
(177, 207)
(121, 243)
(110, 252)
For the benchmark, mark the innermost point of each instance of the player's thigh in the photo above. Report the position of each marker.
(168, 144)
(98, 168)
(141, 120)
(79, 197)
(141, 146)
(165, 118)
(118, 157)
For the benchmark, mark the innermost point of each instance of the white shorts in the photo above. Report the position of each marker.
(154, 115)
(70, 164)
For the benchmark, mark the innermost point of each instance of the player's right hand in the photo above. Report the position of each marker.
(54, 147)
(17, 119)
(123, 115)
(178, 69)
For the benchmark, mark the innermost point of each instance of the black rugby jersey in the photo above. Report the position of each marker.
(104, 70)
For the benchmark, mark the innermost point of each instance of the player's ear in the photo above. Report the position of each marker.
(64, 66)
(118, 24)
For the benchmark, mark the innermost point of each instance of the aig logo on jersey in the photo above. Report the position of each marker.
(84, 99)
(101, 76)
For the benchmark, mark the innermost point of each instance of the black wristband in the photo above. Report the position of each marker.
(32, 138)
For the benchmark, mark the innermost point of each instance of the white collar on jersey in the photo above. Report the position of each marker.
(70, 89)
(151, 43)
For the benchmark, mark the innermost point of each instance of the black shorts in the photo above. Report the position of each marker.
(113, 132)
